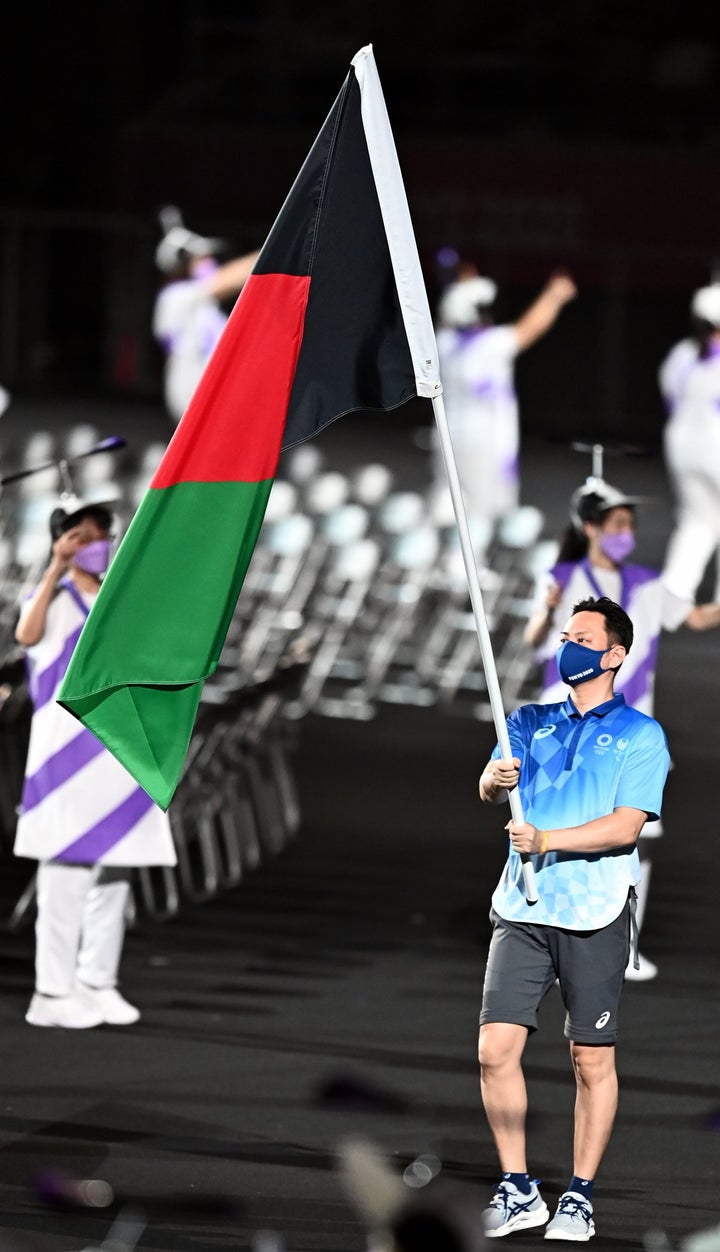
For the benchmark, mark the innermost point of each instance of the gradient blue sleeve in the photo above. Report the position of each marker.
(644, 772)
(515, 735)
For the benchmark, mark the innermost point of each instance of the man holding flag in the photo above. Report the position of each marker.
(591, 771)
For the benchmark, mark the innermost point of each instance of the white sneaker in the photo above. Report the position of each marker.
(511, 1209)
(573, 1220)
(114, 1009)
(646, 971)
(73, 1012)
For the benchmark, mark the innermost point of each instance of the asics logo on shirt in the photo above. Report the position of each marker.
(602, 1020)
(544, 731)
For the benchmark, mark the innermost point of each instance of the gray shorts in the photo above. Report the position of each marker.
(524, 961)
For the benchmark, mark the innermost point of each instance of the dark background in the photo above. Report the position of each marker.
(568, 133)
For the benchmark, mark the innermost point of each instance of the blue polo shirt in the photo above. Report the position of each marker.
(575, 768)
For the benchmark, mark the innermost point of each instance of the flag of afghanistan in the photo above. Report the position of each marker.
(317, 331)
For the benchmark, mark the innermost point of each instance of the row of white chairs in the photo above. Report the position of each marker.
(373, 578)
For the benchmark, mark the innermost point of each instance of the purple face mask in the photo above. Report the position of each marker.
(205, 267)
(94, 557)
(618, 546)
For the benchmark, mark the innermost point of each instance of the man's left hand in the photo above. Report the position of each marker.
(524, 837)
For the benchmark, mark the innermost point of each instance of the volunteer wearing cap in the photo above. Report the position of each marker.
(477, 369)
(592, 560)
(188, 319)
(83, 817)
(690, 384)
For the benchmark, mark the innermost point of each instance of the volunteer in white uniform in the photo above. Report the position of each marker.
(188, 318)
(83, 817)
(690, 384)
(477, 361)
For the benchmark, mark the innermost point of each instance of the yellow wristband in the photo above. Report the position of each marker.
(544, 844)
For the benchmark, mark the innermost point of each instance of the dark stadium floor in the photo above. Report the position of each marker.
(335, 993)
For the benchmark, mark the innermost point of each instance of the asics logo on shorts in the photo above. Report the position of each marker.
(602, 1020)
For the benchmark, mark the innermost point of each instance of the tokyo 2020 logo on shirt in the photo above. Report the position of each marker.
(602, 744)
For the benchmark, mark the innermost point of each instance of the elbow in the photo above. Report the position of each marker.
(628, 837)
(627, 827)
(489, 796)
(484, 792)
(25, 638)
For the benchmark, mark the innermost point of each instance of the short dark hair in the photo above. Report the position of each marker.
(617, 623)
(60, 521)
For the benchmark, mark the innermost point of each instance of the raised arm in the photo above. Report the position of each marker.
(539, 623)
(230, 278)
(31, 624)
(544, 311)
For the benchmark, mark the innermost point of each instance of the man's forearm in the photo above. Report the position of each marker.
(618, 829)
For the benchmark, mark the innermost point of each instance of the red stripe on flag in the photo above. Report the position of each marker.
(232, 428)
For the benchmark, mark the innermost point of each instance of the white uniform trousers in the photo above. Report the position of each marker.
(80, 925)
(696, 536)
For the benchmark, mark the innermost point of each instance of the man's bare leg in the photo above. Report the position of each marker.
(504, 1095)
(595, 1104)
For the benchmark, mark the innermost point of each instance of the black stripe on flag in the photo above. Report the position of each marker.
(354, 351)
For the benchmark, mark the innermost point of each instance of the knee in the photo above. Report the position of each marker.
(499, 1047)
(592, 1064)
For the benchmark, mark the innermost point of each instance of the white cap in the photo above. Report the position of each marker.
(604, 496)
(69, 505)
(178, 242)
(460, 301)
(706, 304)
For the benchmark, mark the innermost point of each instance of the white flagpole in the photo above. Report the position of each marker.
(483, 633)
(423, 350)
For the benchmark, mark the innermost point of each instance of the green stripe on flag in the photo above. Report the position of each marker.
(180, 568)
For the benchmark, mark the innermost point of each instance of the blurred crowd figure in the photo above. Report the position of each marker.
(477, 361)
(188, 317)
(592, 560)
(689, 380)
(417, 1211)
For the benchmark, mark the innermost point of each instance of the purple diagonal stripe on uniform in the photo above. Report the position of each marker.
(46, 683)
(489, 390)
(637, 684)
(59, 767)
(109, 830)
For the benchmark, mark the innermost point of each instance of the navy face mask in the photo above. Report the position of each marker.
(578, 664)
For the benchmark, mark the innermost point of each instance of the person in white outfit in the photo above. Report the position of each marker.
(689, 381)
(477, 365)
(83, 817)
(188, 318)
(593, 560)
